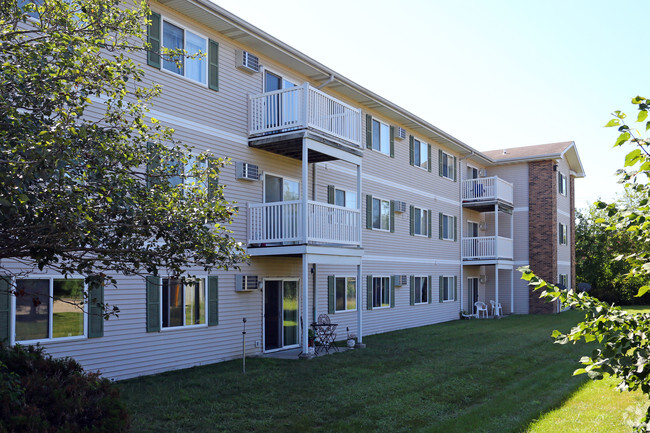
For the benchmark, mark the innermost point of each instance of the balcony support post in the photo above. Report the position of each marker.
(305, 191)
(305, 304)
(512, 290)
(359, 205)
(496, 230)
(496, 283)
(359, 307)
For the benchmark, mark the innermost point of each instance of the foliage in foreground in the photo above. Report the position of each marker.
(40, 394)
(89, 183)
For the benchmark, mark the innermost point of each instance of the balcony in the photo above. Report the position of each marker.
(487, 248)
(485, 191)
(281, 223)
(276, 118)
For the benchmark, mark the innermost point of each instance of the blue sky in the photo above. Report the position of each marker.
(494, 74)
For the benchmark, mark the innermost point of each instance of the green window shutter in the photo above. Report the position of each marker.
(153, 39)
(455, 288)
(454, 170)
(392, 293)
(213, 182)
(440, 162)
(213, 300)
(439, 225)
(455, 229)
(429, 222)
(213, 65)
(368, 211)
(96, 311)
(153, 304)
(429, 157)
(392, 142)
(5, 308)
(330, 194)
(392, 216)
(412, 287)
(331, 301)
(429, 281)
(411, 147)
(440, 282)
(368, 131)
(369, 292)
(412, 220)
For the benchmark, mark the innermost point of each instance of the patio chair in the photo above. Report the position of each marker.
(496, 309)
(481, 308)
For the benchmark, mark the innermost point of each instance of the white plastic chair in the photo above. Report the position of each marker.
(496, 309)
(481, 307)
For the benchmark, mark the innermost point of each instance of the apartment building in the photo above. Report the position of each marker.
(348, 205)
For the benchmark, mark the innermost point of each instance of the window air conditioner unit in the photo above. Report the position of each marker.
(244, 170)
(482, 225)
(247, 61)
(246, 283)
(400, 206)
(482, 172)
(400, 133)
(399, 280)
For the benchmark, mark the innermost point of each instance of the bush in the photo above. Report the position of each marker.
(41, 394)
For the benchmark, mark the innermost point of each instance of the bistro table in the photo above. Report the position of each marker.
(325, 332)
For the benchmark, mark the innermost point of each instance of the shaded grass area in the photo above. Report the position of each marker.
(597, 407)
(477, 375)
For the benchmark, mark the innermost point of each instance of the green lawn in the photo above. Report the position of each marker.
(462, 376)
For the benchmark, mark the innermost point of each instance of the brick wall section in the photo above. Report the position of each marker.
(542, 229)
(572, 232)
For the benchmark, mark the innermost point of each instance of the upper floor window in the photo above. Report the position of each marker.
(561, 184)
(380, 214)
(49, 308)
(341, 197)
(562, 234)
(420, 221)
(446, 165)
(380, 137)
(420, 153)
(447, 227)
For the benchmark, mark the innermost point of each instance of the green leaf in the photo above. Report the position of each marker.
(643, 115)
(579, 371)
(613, 122)
(632, 157)
(623, 138)
(642, 291)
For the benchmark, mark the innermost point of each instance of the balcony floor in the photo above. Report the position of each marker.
(290, 144)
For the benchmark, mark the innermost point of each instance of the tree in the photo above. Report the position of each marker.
(624, 345)
(600, 256)
(89, 183)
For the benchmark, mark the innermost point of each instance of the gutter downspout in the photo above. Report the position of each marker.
(460, 195)
(327, 82)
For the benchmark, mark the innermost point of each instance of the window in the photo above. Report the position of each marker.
(447, 289)
(472, 229)
(420, 222)
(183, 302)
(420, 154)
(345, 292)
(447, 165)
(380, 137)
(564, 280)
(447, 227)
(381, 214)
(381, 292)
(562, 233)
(561, 183)
(420, 290)
(49, 308)
(472, 172)
(345, 198)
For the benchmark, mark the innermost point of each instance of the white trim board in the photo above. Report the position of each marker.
(369, 258)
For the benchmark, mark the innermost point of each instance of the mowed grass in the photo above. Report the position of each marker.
(462, 376)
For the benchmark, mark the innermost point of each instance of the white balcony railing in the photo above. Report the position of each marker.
(304, 107)
(487, 188)
(281, 222)
(487, 247)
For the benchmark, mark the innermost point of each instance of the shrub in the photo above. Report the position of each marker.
(41, 394)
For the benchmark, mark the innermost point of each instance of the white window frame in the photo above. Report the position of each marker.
(424, 217)
(291, 179)
(564, 236)
(448, 166)
(204, 56)
(448, 222)
(470, 233)
(347, 279)
(379, 138)
(346, 192)
(51, 278)
(183, 326)
(562, 184)
(423, 148)
(473, 168)
(564, 280)
(381, 200)
(424, 293)
(448, 288)
(384, 287)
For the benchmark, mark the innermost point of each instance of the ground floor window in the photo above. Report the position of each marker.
(183, 302)
(49, 308)
(380, 292)
(420, 290)
(564, 280)
(346, 293)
